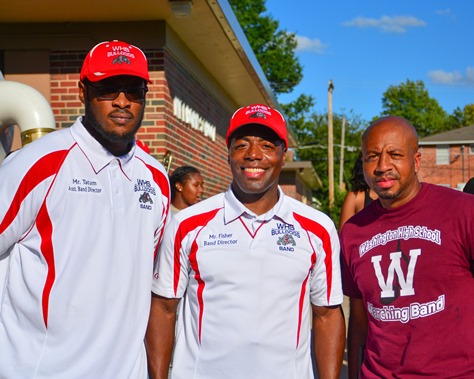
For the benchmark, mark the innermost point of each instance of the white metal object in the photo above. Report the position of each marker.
(26, 107)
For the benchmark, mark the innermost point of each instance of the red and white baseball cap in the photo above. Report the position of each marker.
(258, 114)
(112, 58)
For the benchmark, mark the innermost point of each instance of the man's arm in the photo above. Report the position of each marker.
(329, 334)
(357, 336)
(159, 339)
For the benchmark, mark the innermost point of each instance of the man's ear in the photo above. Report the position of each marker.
(82, 92)
(284, 157)
(417, 160)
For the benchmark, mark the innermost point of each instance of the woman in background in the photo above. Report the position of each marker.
(186, 185)
(359, 196)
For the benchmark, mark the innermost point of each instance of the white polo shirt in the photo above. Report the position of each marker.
(79, 230)
(248, 283)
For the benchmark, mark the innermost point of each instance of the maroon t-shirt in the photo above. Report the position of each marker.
(413, 268)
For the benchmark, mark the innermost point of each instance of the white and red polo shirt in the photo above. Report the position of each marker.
(79, 229)
(248, 282)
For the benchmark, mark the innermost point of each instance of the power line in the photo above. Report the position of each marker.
(348, 148)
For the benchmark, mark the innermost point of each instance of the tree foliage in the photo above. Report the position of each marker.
(298, 114)
(468, 115)
(274, 48)
(311, 131)
(412, 101)
(461, 117)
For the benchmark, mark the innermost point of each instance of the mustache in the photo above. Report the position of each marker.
(121, 113)
(393, 176)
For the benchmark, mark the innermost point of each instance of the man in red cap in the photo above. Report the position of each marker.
(255, 269)
(82, 212)
(113, 86)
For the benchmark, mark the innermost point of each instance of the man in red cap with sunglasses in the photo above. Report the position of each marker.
(82, 211)
(255, 270)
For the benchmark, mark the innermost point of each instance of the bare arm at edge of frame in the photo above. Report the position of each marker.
(353, 203)
(159, 339)
(357, 336)
(329, 336)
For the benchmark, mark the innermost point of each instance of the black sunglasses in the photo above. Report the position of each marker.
(136, 94)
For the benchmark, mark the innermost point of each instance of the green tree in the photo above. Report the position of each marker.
(298, 114)
(461, 117)
(468, 115)
(311, 131)
(273, 47)
(412, 101)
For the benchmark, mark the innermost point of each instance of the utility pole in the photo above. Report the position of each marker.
(341, 163)
(330, 147)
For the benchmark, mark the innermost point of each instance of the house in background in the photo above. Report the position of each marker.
(447, 158)
(298, 179)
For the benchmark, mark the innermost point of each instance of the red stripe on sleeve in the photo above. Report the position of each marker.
(184, 228)
(300, 306)
(42, 169)
(45, 230)
(312, 226)
(321, 232)
(162, 181)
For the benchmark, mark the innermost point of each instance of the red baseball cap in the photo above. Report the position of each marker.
(258, 114)
(112, 58)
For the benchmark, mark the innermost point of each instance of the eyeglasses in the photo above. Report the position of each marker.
(136, 94)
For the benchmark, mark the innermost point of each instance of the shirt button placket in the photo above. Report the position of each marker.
(117, 190)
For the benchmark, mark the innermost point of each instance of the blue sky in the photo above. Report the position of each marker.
(364, 46)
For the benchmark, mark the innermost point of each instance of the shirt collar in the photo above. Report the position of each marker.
(233, 208)
(98, 156)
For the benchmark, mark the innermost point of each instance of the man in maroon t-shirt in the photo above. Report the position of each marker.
(408, 267)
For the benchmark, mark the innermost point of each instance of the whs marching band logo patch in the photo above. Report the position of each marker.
(147, 190)
(285, 241)
(287, 234)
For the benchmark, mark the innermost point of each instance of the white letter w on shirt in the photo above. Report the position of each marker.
(406, 283)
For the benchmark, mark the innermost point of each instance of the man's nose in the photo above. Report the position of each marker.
(384, 163)
(121, 101)
(254, 152)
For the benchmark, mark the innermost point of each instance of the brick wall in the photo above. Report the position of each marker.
(64, 68)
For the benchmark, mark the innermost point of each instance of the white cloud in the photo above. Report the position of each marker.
(446, 12)
(444, 77)
(308, 44)
(395, 24)
(453, 77)
(470, 74)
